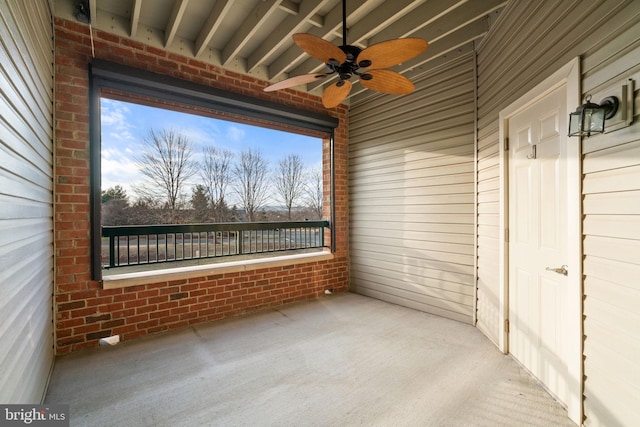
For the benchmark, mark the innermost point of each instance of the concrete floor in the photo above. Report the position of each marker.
(344, 360)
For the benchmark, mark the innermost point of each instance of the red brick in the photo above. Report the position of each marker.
(189, 287)
(124, 297)
(86, 329)
(180, 310)
(69, 340)
(188, 301)
(171, 304)
(99, 301)
(98, 318)
(135, 303)
(148, 293)
(158, 314)
(123, 313)
(112, 323)
(71, 305)
(159, 299)
(199, 306)
(98, 335)
(123, 329)
(112, 307)
(137, 318)
(146, 309)
(147, 324)
(190, 315)
(64, 324)
(206, 312)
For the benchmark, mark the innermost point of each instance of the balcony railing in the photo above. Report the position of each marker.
(151, 244)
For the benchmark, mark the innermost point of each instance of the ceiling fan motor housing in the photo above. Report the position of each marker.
(350, 66)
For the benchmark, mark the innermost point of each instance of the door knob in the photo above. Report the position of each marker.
(562, 270)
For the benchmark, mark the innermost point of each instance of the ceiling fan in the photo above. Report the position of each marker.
(347, 61)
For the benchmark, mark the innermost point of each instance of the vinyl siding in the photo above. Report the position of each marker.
(488, 232)
(611, 228)
(411, 192)
(26, 199)
(528, 43)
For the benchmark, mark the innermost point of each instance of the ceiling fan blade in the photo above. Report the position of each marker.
(294, 81)
(387, 81)
(334, 94)
(391, 52)
(320, 48)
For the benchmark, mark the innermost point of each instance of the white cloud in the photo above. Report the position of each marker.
(235, 133)
(119, 169)
(199, 137)
(113, 116)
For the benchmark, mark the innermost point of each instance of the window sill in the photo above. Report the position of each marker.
(170, 274)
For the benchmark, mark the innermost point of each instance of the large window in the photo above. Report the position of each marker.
(160, 166)
(175, 182)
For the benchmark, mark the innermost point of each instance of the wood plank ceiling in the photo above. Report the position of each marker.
(254, 36)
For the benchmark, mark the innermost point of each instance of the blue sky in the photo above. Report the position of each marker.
(125, 125)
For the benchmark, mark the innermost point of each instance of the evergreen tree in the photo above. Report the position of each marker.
(200, 204)
(114, 193)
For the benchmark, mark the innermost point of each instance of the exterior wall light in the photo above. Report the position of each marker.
(589, 118)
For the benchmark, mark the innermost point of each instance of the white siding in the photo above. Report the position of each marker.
(26, 199)
(528, 43)
(611, 229)
(411, 192)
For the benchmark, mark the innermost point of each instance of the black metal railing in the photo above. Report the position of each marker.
(150, 244)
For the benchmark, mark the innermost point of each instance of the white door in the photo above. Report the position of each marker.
(538, 240)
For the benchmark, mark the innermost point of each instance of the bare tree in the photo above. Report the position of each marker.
(215, 172)
(145, 211)
(288, 179)
(251, 183)
(166, 162)
(313, 191)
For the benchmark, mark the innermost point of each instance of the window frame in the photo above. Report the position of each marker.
(106, 76)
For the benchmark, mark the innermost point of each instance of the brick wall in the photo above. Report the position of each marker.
(85, 312)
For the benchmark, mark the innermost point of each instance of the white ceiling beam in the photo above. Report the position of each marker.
(379, 19)
(444, 46)
(261, 13)
(174, 21)
(93, 12)
(467, 19)
(474, 31)
(443, 22)
(135, 17)
(422, 16)
(220, 9)
(282, 35)
(289, 7)
(316, 20)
